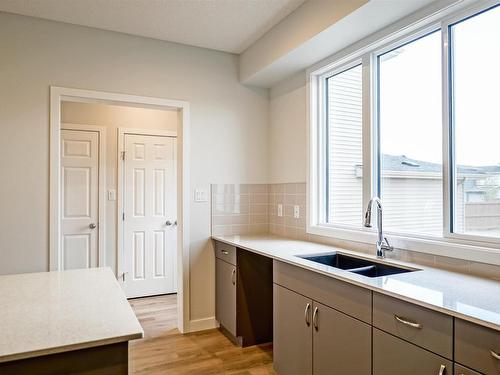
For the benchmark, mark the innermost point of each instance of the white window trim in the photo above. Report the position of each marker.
(467, 247)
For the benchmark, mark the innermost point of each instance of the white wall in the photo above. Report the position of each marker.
(228, 126)
(288, 131)
(113, 117)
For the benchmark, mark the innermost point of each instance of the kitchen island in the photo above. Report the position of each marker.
(62, 322)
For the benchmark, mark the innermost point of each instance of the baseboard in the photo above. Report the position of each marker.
(203, 324)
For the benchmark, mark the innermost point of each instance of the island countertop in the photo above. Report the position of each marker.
(54, 312)
(466, 297)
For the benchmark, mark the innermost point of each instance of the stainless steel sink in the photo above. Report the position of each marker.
(359, 266)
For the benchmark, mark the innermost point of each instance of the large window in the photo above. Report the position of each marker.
(410, 152)
(475, 103)
(414, 120)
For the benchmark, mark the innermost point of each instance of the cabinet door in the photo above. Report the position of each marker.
(292, 346)
(461, 370)
(341, 344)
(226, 295)
(393, 356)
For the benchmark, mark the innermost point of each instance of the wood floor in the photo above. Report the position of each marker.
(165, 351)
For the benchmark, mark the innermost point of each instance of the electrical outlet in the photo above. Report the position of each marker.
(296, 211)
(280, 210)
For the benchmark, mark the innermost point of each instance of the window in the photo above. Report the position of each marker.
(410, 142)
(344, 148)
(415, 120)
(475, 55)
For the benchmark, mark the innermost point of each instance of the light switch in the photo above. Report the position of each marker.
(200, 195)
(280, 210)
(111, 195)
(296, 211)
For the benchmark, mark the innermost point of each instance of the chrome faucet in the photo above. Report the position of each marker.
(382, 242)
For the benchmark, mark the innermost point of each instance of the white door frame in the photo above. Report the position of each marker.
(58, 94)
(120, 187)
(101, 130)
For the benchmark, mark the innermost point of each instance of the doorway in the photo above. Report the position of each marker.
(177, 280)
(149, 218)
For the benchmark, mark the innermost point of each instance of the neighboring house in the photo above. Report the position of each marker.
(412, 197)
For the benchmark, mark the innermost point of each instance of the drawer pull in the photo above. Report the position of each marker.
(233, 278)
(224, 252)
(306, 314)
(442, 370)
(315, 318)
(407, 322)
(495, 355)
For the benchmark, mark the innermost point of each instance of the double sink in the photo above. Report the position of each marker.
(355, 265)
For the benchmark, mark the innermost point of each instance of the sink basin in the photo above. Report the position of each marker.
(359, 266)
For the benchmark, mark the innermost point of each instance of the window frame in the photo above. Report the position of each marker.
(464, 246)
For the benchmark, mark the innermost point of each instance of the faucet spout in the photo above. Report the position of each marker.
(382, 244)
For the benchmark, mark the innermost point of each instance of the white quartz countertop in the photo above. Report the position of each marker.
(467, 297)
(52, 312)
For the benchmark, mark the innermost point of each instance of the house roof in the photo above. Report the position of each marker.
(401, 163)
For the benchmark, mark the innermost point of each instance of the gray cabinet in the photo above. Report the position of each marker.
(292, 337)
(393, 356)
(244, 295)
(225, 309)
(341, 344)
(461, 370)
(311, 338)
(477, 347)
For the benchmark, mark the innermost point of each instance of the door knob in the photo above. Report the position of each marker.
(168, 223)
(92, 226)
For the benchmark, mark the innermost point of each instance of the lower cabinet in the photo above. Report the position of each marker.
(460, 370)
(311, 338)
(225, 309)
(393, 356)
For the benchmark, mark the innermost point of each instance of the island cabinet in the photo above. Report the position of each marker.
(313, 332)
(244, 299)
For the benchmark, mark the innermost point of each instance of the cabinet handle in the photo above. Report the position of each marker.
(495, 355)
(224, 252)
(442, 370)
(233, 276)
(306, 314)
(407, 322)
(315, 318)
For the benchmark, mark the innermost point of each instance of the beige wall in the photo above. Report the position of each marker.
(228, 126)
(288, 131)
(113, 117)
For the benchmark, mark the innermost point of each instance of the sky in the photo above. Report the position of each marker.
(410, 95)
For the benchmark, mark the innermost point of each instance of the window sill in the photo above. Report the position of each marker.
(440, 247)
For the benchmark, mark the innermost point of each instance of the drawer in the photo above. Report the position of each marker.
(225, 252)
(350, 299)
(393, 356)
(476, 346)
(426, 328)
(461, 370)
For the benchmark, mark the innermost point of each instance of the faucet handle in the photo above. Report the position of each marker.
(387, 246)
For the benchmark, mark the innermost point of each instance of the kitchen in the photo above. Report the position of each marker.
(281, 171)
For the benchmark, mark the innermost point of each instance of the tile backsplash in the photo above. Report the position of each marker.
(253, 209)
(240, 209)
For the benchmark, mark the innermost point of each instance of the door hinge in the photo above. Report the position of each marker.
(123, 155)
(123, 216)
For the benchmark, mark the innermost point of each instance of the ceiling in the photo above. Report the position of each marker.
(225, 25)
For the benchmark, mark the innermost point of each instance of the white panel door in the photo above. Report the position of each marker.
(150, 215)
(79, 199)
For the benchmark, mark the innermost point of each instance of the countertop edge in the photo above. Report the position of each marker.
(71, 347)
(418, 302)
